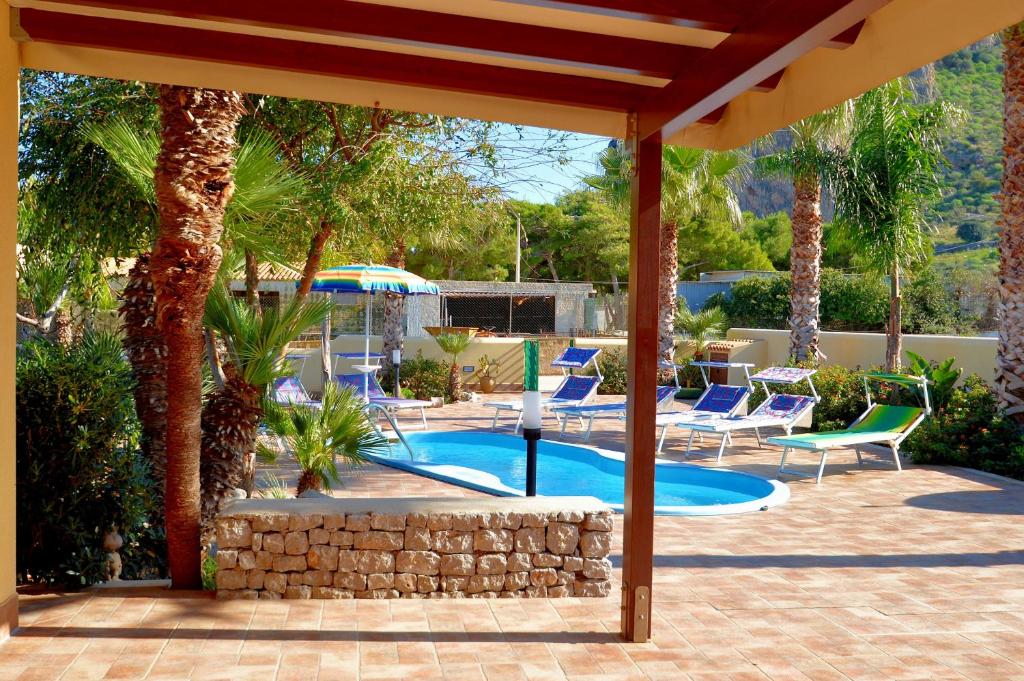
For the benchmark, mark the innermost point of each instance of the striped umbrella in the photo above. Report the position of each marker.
(368, 279)
(372, 279)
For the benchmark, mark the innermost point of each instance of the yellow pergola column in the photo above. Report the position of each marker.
(9, 66)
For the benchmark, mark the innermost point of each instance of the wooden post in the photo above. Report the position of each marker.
(638, 524)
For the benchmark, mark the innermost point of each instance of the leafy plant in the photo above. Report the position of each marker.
(941, 377)
(79, 470)
(453, 345)
(701, 327)
(425, 378)
(317, 437)
(273, 487)
(969, 430)
(613, 369)
(487, 365)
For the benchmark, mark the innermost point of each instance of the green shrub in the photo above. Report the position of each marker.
(79, 470)
(970, 431)
(842, 396)
(426, 378)
(613, 368)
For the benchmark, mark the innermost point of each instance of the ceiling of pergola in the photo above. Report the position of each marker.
(706, 72)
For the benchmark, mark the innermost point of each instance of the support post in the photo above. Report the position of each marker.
(642, 362)
(9, 70)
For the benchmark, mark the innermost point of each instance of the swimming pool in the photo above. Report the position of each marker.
(496, 463)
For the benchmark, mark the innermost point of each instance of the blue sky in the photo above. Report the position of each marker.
(532, 159)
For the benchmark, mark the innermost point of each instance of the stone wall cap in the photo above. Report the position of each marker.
(415, 505)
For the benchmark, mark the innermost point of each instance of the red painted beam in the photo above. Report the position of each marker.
(430, 29)
(847, 38)
(711, 15)
(769, 83)
(770, 40)
(642, 365)
(331, 60)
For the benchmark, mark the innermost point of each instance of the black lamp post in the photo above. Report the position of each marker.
(531, 412)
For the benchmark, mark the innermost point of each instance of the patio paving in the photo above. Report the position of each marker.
(873, 574)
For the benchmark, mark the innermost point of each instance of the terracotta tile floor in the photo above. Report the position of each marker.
(872, 575)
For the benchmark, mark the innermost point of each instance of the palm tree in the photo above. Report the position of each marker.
(453, 345)
(803, 161)
(193, 184)
(1009, 363)
(318, 436)
(884, 183)
(701, 328)
(255, 344)
(695, 183)
(264, 188)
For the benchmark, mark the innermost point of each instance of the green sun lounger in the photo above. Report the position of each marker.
(880, 424)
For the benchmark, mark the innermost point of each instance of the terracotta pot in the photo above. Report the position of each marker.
(487, 384)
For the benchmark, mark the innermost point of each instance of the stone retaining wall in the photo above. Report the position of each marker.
(414, 548)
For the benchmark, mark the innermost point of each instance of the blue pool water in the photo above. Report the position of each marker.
(496, 463)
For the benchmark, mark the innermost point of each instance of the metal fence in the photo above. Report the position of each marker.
(500, 314)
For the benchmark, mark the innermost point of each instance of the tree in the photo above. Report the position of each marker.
(803, 160)
(265, 189)
(453, 345)
(193, 184)
(1010, 354)
(773, 233)
(884, 183)
(317, 436)
(701, 327)
(696, 183)
(256, 341)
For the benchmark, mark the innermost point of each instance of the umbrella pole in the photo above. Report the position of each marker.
(366, 349)
(325, 348)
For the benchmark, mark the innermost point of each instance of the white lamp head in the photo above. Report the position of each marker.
(396, 356)
(531, 410)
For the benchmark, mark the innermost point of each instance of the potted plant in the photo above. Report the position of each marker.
(700, 329)
(486, 377)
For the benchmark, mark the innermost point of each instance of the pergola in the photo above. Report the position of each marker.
(707, 73)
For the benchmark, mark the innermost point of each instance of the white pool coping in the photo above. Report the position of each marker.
(490, 484)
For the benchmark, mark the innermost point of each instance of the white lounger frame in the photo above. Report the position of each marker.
(893, 443)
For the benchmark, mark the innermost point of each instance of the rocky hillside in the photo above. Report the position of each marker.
(971, 78)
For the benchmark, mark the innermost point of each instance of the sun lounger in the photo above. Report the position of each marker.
(588, 412)
(880, 424)
(376, 395)
(717, 401)
(288, 391)
(574, 391)
(778, 411)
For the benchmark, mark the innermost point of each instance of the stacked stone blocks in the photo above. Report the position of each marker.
(413, 555)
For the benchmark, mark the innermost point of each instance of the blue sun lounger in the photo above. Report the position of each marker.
(716, 402)
(354, 382)
(573, 391)
(777, 411)
(288, 391)
(589, 412)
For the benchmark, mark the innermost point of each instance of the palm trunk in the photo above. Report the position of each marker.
(1010, 353)
(394, 308)
(193, 182)
(805, 268)
(313, 257)
(231, 419)
(144, 345)
(894, 331)
(455, 381)
(252, 279)
(667, 284)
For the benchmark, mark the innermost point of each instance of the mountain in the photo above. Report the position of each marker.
(972, 79)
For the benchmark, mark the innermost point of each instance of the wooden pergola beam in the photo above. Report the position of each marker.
(771, 39)
(402, 25)
(711, 15)
(318, 58)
